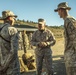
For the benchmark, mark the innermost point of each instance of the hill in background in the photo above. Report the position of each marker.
(57, 30)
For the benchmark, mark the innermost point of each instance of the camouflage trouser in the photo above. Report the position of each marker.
(13, 69)
(48, 62)
(70, 61)
(10, 71)
(71, 70)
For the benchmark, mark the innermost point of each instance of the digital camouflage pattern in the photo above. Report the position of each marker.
(7, 13)
(23, 41)
(63, 5)
(30, 37)
(45, 52)
(70, 45)
(20, 41)
(8, 51)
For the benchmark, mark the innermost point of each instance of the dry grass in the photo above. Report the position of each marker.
(58, 48)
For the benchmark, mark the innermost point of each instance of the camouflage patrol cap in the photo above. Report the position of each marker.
(63, 5)
(41, 21)
(8, 13)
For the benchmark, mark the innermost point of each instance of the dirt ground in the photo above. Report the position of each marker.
(58, 61)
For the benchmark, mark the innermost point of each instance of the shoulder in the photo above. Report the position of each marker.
(35, 32)
(70, 19)
(48, 31)
(12, 30)
(70, 22)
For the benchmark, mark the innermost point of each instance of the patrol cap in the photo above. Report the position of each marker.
(8, 13)
(41, 21)
(63, 5)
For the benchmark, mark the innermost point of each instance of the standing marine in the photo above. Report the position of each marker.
(70, 37)
(9, 63)
(43, 39)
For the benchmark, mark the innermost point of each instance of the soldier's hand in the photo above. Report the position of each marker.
(42, 44)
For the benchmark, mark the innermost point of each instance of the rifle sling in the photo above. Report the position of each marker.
(4, 39)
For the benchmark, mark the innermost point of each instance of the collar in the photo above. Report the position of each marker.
(42, 31)
(68, 16)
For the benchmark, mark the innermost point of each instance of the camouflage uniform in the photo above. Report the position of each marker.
(30, 45)
(20, 41)
(25, 41)
(45, 52)
(8, 50)
(70, 37)
(9, 63)
(70, 45)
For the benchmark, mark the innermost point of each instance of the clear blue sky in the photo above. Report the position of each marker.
(32, 10)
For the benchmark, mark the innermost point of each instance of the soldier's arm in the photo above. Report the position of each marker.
(14, 47)
(70, 29)
(34, 42)
(51, 40)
